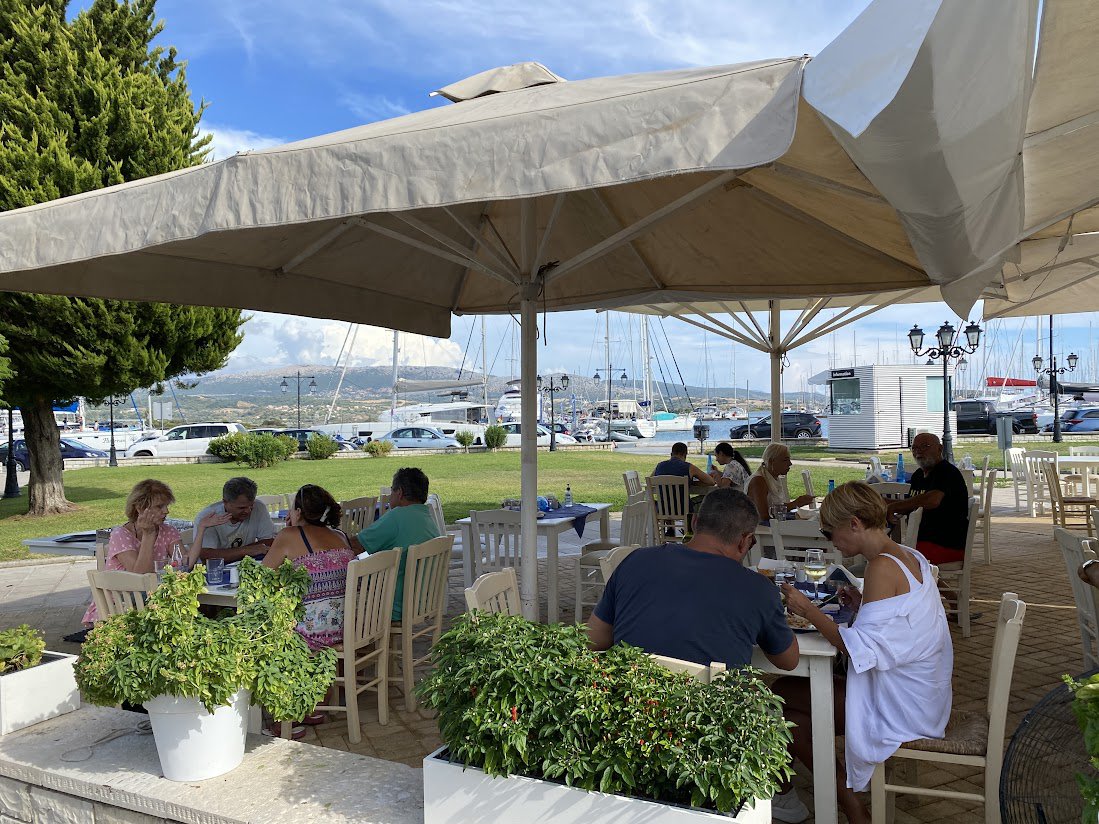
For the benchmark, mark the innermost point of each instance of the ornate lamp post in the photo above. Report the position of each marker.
(1053, 372)
(550, 388)
(610, 373)
(112, 402)
(299, 377)
(11, 481)
(948, 339)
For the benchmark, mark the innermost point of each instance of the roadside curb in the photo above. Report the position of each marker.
(40, 562)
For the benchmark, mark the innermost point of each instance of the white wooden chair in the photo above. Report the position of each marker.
(807, 479)
(383, 497)
(102, 542)
(116, 592)
(911, 532)
(368, 611)
(793, 538)
(609, 564)
(1037, 491)
(358, 514)
(1013, 459)
(984, 513)
(632, 479)
(972, 739)
(670, 502)
(589, 578)
(275, 503)
(423, 607)
(892, 490)
(700, 672)
(435, 506)
(495, 592)
(1068, 507)
(1075, 550)
(1091, 485)
(957, 574)
(497, 539)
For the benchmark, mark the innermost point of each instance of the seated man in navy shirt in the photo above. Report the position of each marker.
(696, 601)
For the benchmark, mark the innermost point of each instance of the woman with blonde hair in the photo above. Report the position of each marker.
(766, 490)
(144, 538)
(900, 657)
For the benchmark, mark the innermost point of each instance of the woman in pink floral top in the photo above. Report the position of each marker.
(144, 538)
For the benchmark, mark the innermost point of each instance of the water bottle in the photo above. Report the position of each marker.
(568, 495)
(177, 557)
(900, 466)
(709, 463)
(885, 474)
(831, 486)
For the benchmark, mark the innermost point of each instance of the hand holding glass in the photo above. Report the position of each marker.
(815, 569)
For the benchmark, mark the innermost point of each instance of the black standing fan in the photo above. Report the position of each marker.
(1038, 782)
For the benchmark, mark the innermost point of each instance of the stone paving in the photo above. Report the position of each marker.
(52, 596)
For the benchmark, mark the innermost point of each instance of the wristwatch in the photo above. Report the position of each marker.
(1084, 566)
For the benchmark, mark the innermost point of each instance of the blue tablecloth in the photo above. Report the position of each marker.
(578, 512)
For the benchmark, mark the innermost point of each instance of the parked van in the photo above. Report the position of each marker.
(187, 441)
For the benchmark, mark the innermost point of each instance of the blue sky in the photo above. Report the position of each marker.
(279, 70)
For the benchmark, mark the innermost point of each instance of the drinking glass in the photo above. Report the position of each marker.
(159, 565)
(215, 571)
(778, 512)
(815, 569)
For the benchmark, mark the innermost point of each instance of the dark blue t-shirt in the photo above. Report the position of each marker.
(676, 601)
(674, 466)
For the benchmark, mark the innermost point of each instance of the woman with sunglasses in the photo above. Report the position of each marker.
(900, 657)
(312, 540)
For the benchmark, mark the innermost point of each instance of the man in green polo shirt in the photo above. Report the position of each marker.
(408, 522)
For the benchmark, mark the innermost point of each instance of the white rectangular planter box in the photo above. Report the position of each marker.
(38, 693)
(457, 795)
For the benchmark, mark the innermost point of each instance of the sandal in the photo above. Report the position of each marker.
(313, 719)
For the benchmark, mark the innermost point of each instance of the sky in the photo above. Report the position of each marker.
(272, 71)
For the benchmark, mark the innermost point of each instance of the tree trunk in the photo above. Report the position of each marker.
(46, 489)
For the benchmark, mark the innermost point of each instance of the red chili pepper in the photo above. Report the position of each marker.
(514, 713)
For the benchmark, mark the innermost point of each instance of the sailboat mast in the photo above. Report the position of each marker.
(484, 367)
(647, 384)
(607, 352)
(353, 330)
(393, 401)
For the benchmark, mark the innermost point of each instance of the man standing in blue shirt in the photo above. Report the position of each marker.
(696, 601)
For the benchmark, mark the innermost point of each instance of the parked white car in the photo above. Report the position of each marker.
(515, 430)
(187, 441)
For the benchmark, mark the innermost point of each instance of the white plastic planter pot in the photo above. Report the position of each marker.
(193, 743)
(457, 795)
(38, 693)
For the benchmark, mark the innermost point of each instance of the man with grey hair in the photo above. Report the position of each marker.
(236, 526)
(939, 488)
(696, 601)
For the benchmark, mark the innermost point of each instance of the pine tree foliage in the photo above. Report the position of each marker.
(85, 103)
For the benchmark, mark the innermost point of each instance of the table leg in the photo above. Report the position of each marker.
(824, 740)
(551, 576)
(467, 554)
(605, 525)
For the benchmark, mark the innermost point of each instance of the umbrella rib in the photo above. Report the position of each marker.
(432, 250)
(808, 219)
(314, 247)
(837, 322)
(759, 329)
(602, 201)
(480, 239)
(555, 212)
(449, 243)
(824, 183)
(728, 331)
(1039, 294)
(704, 327)
(641, 226)
(804, 319)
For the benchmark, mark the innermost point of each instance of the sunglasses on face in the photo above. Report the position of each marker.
(827, 533)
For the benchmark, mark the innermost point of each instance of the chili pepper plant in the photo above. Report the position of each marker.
(520, 698)
(170, 648)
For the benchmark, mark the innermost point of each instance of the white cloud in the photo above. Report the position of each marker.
(371, 107)
(228, 140)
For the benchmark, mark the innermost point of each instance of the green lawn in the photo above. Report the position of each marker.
(463, 482)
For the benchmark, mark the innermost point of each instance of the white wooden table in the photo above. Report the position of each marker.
(53, 546)
(1086, 465)
(815, 663)
(218, 596)
(549, 527)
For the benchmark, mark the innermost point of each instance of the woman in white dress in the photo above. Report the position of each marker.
(767, 490)
(901, 658)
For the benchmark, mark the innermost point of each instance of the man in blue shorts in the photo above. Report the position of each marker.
(696, 601)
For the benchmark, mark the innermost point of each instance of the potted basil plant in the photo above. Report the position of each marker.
(539, 727)
(35, 684)
(197, 676)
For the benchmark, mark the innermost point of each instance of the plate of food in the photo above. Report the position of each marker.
(799, 624)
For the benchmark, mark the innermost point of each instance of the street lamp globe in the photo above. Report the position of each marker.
(623, 377)
(596, 376)
(312, 387)
(284, 385)
(564, 381)
(1072, 361)
(973, 335)
(915, 338)
(945, 335)
(1036, 361)
(538, 382)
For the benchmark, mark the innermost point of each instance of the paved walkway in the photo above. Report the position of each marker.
(52, 597)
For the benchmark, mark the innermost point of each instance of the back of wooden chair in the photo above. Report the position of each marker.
(274, 503)
(495, 592)
(793, 538)
(635, 524)
(912, 527)
(426, 567)
(1037, 489)
(115, 592)
(368, 599)
(609, 563)
(1084, 451)
(102, 542)
(892, 490)
(1009, 627)
(700, 672)
(985, 512)
(497, 539)
(959, 573)
(358, 514)
(1074, 551)
(436, 508)
(632, 479)
(670, 502)
(1013, 459)
(807, 479)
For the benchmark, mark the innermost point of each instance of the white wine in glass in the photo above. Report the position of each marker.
(815, 570)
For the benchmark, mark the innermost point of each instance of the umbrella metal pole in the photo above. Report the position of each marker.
(774, 333)
(11, 481)
(528, 580)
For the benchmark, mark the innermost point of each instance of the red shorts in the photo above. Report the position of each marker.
(938, 554)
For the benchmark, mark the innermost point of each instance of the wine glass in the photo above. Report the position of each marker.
(815, 569)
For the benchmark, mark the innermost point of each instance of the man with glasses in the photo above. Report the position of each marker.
(696, 601)
(236, 526)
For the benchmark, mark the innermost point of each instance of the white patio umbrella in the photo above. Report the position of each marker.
(681, 185)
